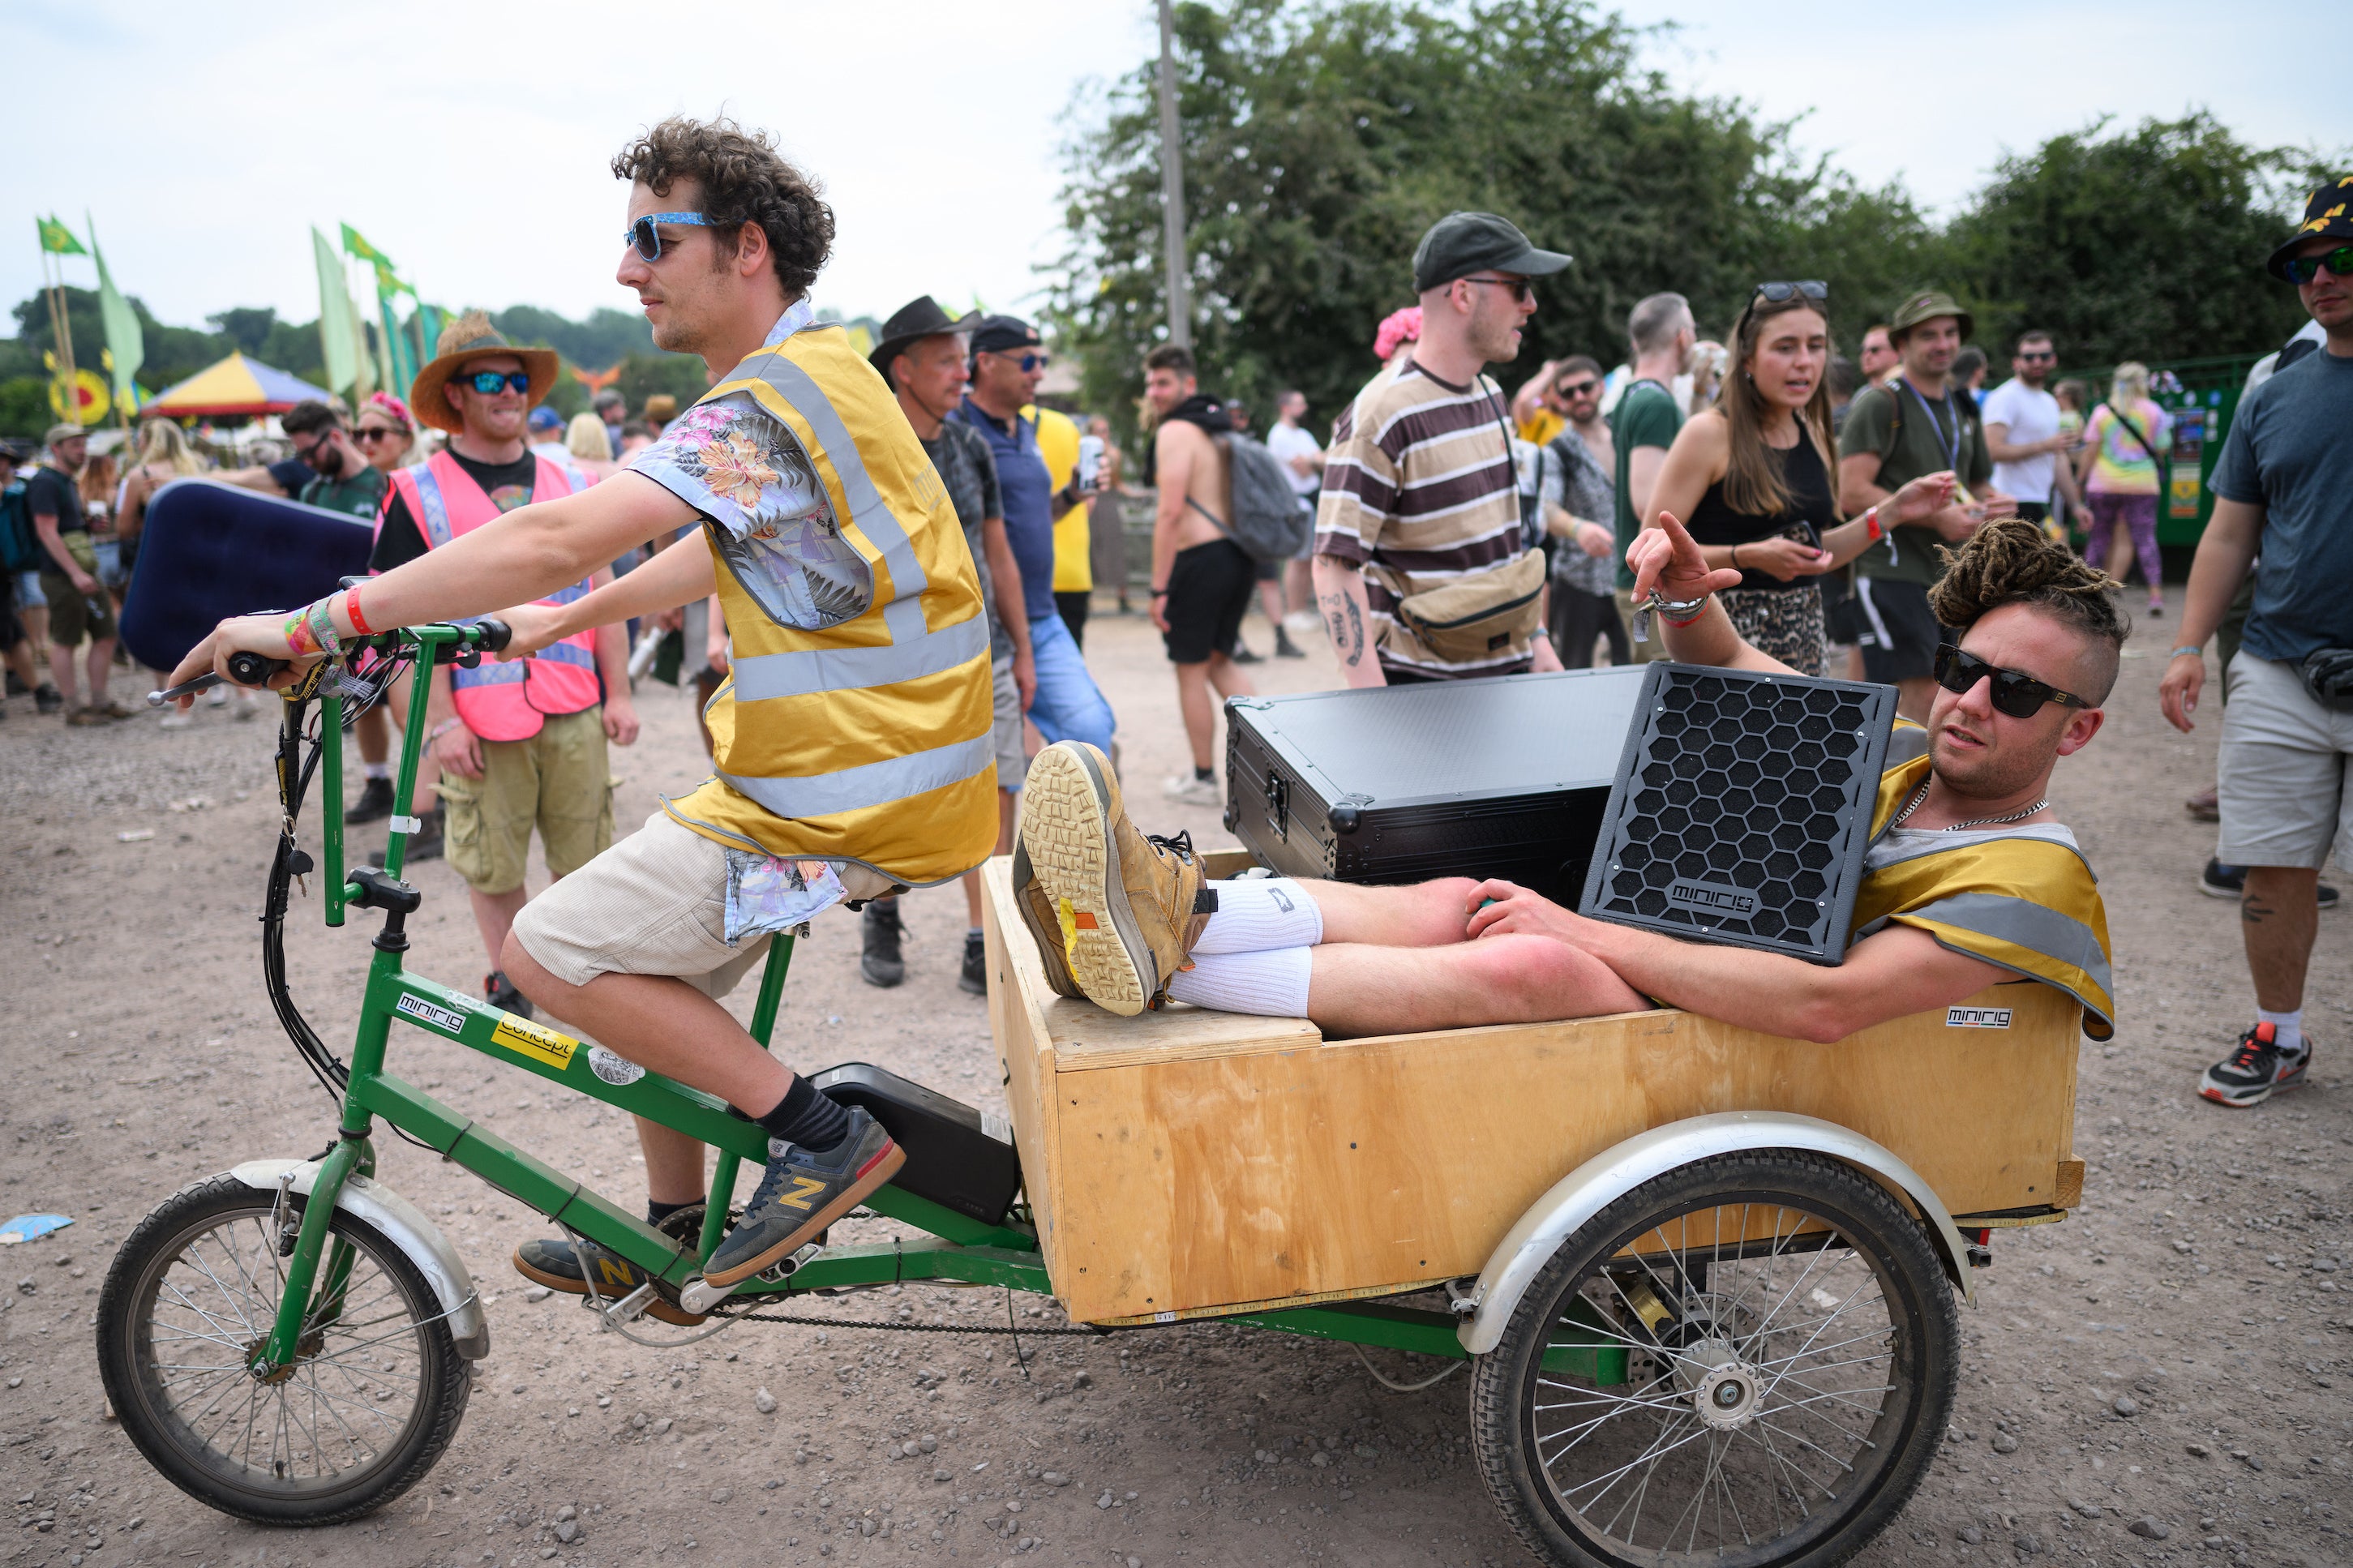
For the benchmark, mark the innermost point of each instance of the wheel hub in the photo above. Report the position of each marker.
(1725, 1390)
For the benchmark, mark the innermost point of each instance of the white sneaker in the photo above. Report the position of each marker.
(1187, 790)
(179, 719)
(249, 706)
(1303, 621)
(216, 698)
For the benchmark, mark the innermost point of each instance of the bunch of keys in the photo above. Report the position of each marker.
(1672, 609)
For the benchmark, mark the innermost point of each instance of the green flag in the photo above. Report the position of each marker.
(57, 238)
(124, 339)
(339, 337)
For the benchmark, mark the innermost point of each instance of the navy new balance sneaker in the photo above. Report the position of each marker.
(801, 1193)
(2255, 1071)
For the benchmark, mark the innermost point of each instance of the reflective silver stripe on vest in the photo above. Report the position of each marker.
(436, 510)
(1904, 745)
(761, 675)
(2021, 922)
(874, 783)
(868, 510)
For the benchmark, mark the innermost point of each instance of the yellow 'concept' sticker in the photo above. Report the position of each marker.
(525, 1038)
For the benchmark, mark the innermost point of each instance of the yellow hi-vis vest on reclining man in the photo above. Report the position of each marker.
(868, 741)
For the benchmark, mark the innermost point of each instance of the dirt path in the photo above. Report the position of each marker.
(2175, 1354)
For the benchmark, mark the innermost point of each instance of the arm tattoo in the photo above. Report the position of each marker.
(1338, 621)
(1356, 633)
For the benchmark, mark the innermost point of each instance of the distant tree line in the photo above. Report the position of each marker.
(1320, 139)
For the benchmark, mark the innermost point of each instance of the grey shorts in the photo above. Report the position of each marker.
(655, 903)
(1012, 758)
(2281, 777)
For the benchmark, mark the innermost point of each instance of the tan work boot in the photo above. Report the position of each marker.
(1045, 930)
(1127, 907)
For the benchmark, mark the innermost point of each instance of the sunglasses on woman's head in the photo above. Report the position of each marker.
(490, 383)
(1812, 289)
(2019, 695)
(646, 239)
(2304, 268)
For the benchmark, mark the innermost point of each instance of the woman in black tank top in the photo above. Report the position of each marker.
(1751, 477)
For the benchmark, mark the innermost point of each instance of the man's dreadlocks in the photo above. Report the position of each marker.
(2012, 562)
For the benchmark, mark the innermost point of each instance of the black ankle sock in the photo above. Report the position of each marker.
(806, 1118)
(658, 1212)
(1205, 776)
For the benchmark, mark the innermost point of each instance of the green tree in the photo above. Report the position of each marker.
(245, 326)
(1320, 141)
(2146, 244)
(603, 339)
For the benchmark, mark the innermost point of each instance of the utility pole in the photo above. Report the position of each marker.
(1172, 189)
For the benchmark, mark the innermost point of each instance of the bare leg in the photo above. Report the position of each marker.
(1298, 585)
(100, 663)
(1360, 990)
(1426, 914)
(376, 736)
(1005, 801)
(1200, 717)
(20, 660)
(61, 673)
(674, 1173)
(1270, 600)
(494, 916)
(2279, 915)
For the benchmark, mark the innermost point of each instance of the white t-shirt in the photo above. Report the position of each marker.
(2032, 416)
(1289, 441)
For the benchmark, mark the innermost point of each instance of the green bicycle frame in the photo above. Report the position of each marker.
(954, 1247)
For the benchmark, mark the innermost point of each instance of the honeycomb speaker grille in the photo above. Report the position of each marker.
(1742, 809)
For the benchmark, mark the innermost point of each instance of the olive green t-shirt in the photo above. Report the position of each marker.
(361, 495)
(1914, 436)
(1647, 416)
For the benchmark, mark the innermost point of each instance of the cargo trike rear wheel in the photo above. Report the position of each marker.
(372, 1398)
(1746, 1363)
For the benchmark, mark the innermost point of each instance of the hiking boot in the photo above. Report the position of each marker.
(16, 688)
(110, 709)
(974, 977)
(373, 804)
(1284, 647)
(1129, 906)
(802, 1193)
(425, 844)
(1037, 914)
(2221, 881)
(1191, 789)
(881, 963)
(556, 1265)
(500, 991)
(2255, 1071)
(82, 717)
(46, 698)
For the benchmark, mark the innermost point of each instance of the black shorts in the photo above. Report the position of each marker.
(1209, 587)
(1899, 634)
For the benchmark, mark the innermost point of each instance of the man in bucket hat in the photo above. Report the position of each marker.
(2283, 489)
(1916, 423)
(517, 744)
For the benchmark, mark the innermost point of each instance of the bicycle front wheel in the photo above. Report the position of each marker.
(374, 1395)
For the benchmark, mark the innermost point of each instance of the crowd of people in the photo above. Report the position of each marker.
(909, 567)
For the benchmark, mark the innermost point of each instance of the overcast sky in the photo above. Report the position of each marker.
(470, 141)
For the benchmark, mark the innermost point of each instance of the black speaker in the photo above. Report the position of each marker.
(1742, 809)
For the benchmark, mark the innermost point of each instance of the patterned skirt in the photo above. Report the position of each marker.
(1780, 623)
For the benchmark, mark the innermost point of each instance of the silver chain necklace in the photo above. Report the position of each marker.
(1922, 793)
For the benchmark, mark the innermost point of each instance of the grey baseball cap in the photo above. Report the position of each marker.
(1462, 243)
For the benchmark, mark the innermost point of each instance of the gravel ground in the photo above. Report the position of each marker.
(2159, 1380)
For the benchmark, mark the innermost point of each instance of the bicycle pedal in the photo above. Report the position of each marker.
(629, 1308)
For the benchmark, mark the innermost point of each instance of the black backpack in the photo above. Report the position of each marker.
(1268, 523)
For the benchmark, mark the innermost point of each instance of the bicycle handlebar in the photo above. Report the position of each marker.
(489, 634)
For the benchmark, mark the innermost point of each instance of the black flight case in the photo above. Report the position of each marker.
(1509, 777)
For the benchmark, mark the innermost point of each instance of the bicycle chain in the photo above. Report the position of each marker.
(749, 1316)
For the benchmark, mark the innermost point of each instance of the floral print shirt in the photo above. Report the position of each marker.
(770, 520)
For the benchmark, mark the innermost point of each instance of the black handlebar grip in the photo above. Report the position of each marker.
(250, 669)
(495, 633)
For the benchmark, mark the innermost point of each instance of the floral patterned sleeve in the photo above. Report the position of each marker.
(772, 523)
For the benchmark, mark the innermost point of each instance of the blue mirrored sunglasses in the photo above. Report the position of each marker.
(647, 238)
(490, 383)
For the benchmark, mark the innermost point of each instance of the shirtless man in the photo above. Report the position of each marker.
(1201, 579)
(1970, 880)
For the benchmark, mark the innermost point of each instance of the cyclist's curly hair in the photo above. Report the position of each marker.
(2013, 561)
(744, 180)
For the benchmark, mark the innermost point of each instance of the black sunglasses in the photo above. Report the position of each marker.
(1580, 390)
(1521, 289)
(1028, 361)
(373, 433)
(2020, 696)
(2304, 268)
(1812, 289)
(490, 383)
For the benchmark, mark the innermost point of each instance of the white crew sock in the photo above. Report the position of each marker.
(2287, 1029)
(1272, 982)
(1260, 913)
(378, 770)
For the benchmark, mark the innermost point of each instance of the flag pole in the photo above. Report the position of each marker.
(1172, 190)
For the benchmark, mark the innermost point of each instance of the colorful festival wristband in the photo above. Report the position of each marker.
(300, 643)
(1871, 528)
(322, 619)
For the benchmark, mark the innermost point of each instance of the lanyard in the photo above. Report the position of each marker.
(1952, 447)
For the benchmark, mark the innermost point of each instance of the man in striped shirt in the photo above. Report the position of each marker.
(1422, 569)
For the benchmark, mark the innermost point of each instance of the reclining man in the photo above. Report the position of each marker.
(851, 744)
(1969, 880)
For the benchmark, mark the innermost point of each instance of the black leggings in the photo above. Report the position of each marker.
(1578, 618)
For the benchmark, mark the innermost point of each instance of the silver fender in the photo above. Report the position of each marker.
(407, 1229)
(1609, 1175)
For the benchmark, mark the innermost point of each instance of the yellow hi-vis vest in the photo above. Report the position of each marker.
(870, 741)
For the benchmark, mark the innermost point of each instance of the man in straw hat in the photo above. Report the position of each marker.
(852, 749)
(1916, 423)
(522, 742)
(2283, 489)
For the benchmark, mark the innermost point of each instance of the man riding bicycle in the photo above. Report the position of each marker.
(851, 744)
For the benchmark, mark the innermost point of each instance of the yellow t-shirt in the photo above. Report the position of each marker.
(1541, 426)
(1057, 443)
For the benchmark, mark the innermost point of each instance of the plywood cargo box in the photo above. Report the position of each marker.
(1190, 1163)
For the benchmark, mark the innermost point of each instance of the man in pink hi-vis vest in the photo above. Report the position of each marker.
(519, 743)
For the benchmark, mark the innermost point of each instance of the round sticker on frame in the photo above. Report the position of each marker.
(615, 1070)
